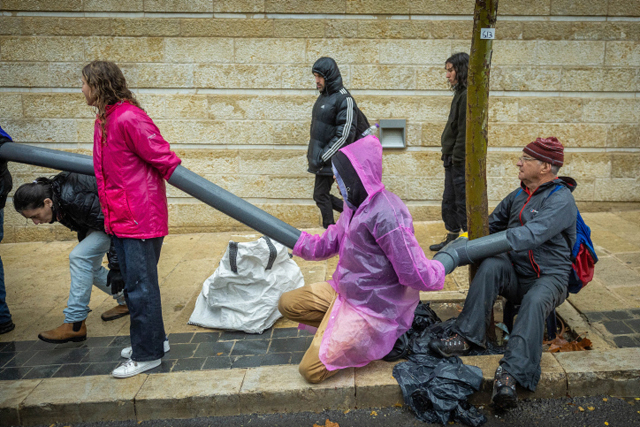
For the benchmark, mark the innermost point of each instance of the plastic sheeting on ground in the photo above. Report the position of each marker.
(437, 389)
(243, 292)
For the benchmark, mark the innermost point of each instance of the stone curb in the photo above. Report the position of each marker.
(281, 389)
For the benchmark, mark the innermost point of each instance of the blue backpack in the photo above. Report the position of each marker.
(583, 255)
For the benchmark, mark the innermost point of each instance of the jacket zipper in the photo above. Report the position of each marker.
(532, 261)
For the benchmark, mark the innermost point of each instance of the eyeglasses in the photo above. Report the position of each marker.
(525, 159)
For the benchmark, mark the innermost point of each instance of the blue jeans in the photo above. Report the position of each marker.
(85, 267)
(5, 316)
(138, 260)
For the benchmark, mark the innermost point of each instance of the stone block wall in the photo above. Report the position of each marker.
(229, 84)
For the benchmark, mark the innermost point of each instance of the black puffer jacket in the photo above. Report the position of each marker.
(541, 227)
(76, 204)
(333, 120)
(5, 176)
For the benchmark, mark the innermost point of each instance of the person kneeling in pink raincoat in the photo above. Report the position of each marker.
(369, 302)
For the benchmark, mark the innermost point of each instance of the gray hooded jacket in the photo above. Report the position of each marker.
(541, 227)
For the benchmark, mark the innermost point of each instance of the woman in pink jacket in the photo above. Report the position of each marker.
(131, 162)
(370, 300)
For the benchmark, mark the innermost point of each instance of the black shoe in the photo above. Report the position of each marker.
(449, 238)
(504, 394)
(452, 346)
(7, 327)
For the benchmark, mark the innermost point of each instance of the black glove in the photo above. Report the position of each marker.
(116, 281)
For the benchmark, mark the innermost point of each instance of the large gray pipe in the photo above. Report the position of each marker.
(182, 178)
(463, 251)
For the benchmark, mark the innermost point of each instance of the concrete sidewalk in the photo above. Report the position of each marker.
(223, 373)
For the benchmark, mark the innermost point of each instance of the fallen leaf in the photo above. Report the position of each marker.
(604, 399)
(328, 423)
(397, 405)
(591, 408)
(606, 423)
(374, 413)
(580, 408)
(220, 354)
(347, 411)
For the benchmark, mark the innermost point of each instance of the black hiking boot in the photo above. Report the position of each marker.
(455, 345)
(450, 237)
(504, 390)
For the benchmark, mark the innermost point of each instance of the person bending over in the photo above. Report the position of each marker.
(72, 200)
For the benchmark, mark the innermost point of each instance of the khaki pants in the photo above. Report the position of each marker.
(311, 305)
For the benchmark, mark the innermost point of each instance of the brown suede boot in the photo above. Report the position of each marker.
(115, 313)
(66, 332)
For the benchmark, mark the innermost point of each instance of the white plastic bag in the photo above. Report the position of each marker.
(243, 292)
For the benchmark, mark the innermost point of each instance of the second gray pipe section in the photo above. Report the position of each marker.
(182, 178)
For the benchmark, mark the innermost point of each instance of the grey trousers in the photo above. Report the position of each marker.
(537, 298)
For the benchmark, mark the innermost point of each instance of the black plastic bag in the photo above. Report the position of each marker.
(424, 317)
(437, 389)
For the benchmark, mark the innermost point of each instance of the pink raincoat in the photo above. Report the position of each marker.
(130, 168)
(380, 272)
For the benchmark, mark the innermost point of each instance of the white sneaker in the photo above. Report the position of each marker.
(127, 351)
(132, 368)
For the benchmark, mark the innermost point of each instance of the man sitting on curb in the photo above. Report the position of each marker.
(540, 223)
(369, 302)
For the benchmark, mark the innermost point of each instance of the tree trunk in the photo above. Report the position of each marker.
(477, 118)
(484, 16)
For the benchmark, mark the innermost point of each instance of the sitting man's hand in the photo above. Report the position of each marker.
(116, 281)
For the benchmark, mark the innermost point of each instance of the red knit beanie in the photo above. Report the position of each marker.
(548, 150)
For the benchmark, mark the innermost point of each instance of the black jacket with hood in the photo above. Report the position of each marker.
(76, 204)
(333, 120)
(541, 227)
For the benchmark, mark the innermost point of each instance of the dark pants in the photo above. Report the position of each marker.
(326, 201)
(454, 203)
(139, 265)
(5, 315)
(537, 298)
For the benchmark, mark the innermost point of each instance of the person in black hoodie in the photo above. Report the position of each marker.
(333, 126)
(454, 205)
(6, 324)
(72, 200)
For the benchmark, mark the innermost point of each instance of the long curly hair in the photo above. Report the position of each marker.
(108, 87)
(460, 62)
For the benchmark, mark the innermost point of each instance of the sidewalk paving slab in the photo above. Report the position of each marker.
(190, 394)
(274, 389)
(552, 384)
(376, 387)
(613, 372)
(81, 399)
(13, 394)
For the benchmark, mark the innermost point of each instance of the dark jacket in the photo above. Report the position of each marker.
(541, 227)
(76, 204)
(333, 119)
(5, 176)
(453, 136)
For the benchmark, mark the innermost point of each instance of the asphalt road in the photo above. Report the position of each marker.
(566, 412)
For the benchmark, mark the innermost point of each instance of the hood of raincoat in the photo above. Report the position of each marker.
(328, 69)
(380, 271)
(351, 187)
